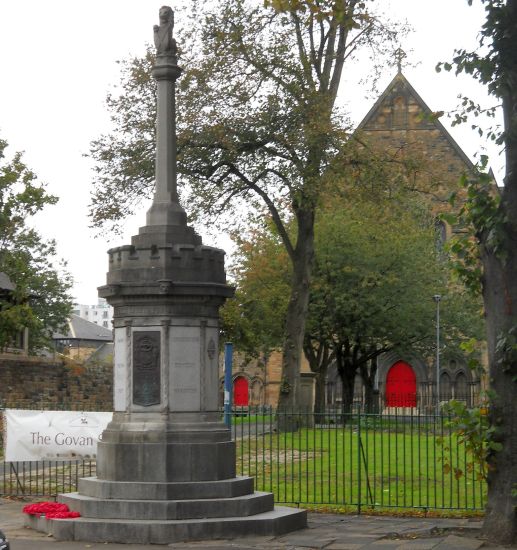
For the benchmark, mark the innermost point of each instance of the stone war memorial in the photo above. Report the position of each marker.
(166, 463)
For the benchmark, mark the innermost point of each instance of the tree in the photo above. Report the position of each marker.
(377, 267)
(41, 301)
(254, 318)
(493, 218)
(258, 127)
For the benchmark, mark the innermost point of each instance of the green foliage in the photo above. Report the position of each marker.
(375, 263)
(472, 349)
(484, 222)
(506, 349)
(475, 434)
(41, 300)
(375, 273)
(254, 318)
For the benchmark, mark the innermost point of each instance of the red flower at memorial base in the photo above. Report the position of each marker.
(51, 510)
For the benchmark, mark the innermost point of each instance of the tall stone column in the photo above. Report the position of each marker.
(166, 289)
(166, 462)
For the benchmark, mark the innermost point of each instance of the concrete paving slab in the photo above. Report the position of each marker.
(345, 546)
(306, 541)
(453, 542)
(382, 545)
(420, 544)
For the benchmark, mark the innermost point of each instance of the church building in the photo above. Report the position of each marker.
(402, 125)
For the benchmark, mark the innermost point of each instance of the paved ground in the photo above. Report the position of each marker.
(325, 531)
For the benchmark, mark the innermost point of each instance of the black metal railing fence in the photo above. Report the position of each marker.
(349, 460)
(358, 460)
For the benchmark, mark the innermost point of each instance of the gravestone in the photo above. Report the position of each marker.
(166, 463)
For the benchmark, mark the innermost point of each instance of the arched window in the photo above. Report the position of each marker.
(399, 112)
(445, 387)
(256, 392)
(401, 386)
(460, 387)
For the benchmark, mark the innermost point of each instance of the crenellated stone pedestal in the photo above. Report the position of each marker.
(166, 463)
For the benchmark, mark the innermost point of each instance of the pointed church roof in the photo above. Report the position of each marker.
(400, 86)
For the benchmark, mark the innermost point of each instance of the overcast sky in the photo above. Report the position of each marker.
(58, 60)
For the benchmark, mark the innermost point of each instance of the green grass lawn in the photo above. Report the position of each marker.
(405, 467)
(259, 419)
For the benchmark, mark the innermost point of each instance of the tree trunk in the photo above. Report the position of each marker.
(346, 370)
(500, 298)
(319, 401)
(368, 378)
(348, 382)
(295, 320)
(500, 295)
(319, 356)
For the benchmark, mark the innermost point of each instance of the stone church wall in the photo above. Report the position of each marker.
(263, 375)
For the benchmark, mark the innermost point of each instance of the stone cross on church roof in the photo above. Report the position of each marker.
(400, 54)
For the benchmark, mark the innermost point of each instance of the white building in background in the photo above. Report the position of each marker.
(100, 314)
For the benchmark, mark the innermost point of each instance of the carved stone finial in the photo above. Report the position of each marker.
(165, 44)
(400, 54)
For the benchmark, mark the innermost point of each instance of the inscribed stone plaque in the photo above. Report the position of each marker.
(185, 374)
(120, 373)
(146, 368)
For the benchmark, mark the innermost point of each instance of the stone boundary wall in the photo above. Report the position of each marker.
(34, 383)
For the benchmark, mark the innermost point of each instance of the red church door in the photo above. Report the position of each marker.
(401, 386)
(240, 392)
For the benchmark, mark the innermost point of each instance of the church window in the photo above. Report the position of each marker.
(445, 387)
(399, 112)
(461, 387)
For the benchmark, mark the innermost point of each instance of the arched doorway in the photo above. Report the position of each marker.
(240, 392)
(401, 386)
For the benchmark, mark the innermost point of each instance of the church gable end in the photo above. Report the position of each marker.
(400, 124)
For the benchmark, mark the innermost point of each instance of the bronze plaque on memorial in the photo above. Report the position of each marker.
(146, 368)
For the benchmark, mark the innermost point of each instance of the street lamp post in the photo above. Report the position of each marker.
(437, 298)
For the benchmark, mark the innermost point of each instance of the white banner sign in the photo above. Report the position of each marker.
(38, 435)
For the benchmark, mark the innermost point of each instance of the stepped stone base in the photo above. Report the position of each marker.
(278, 521)
(162, 513)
